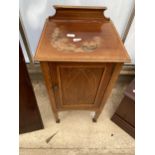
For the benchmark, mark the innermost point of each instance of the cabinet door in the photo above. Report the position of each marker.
(79, 86)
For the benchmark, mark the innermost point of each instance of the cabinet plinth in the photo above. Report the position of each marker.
(81, 58)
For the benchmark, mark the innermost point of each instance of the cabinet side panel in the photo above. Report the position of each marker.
(48, 82)
(115, 74)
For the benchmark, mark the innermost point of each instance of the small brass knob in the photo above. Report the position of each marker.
(55, 87)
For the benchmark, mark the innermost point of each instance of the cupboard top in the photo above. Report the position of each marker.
(80, 35)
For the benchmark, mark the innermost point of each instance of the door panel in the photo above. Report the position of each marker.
(79, 85)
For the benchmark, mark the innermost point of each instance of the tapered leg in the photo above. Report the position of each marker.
(97, 114)
(56, 116)
(46, 73)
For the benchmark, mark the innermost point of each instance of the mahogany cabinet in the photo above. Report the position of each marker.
(124, 116)
(29, 115)
(81, 55)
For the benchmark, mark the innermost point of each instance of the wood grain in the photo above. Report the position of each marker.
(45, 68)
(80, 75)
(114, 77)
(124, 116)
(72, 12)
(29, 115)
(111, 48)
(79, 85)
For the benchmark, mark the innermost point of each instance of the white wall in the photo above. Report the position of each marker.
(34, 13)
(130, 42)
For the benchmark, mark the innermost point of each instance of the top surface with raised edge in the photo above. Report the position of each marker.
(80, 34)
